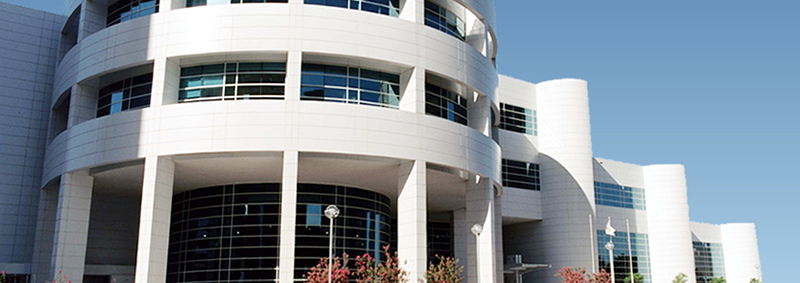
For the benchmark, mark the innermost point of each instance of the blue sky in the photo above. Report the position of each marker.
(713, 85)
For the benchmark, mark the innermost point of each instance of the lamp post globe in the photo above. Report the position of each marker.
(331, 212)
(477, 229)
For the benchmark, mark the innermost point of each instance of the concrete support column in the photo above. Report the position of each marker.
(412, 219)
(72, 226)
(169, 5)
(154, 219)
(481, 210)
(461, 239)
(45, 235)
(288, 216)
(83, 103)
(479, 115)
(294, 69)
(92, 18)
(413, 10)
(166, 80)
(413, 93)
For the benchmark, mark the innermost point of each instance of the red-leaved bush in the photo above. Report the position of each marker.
(368, 270)
(446, 271)
(339, 271)
(579, 275)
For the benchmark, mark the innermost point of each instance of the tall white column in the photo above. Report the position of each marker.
(412, 220)
(461, 239)
(481, 210)
(288, 216)
(72, 226)
(83, 103)
(166, 80)
(413, 90)
(740, 252)
(154, 219)
(294, 69)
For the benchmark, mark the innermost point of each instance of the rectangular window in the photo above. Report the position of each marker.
(640, 248)
(384, 7)
(444, 103)
(350, 85)
(518, 119)
(444, 20)
(125, 10)
(708, 260)
(521, 175)
(619, 196)
(233, 81)
(128, 94)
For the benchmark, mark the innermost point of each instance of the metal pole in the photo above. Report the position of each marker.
(592, 246)
(611, 258)
(476, 230)
(330, 252)
(630, 250)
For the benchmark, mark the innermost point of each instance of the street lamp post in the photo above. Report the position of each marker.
(331, 212)
(476, 230)
(610, 248)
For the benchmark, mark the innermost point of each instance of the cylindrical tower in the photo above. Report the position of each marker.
(166, 99)
(740, 251)
(670, 235)
(566, 174)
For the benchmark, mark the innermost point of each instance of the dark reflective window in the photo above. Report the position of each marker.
(350, 85)
(444, 103)
(444, 20)
(522, 175)
(518, 119)
(385, 7)
(232, 81)
(708, 261)
(619, 196)
(125, 10)
(127, 94)
(440, 240)
(640, 248)
(363, 225)
(225, 234)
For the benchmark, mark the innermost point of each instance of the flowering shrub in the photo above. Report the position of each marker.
(447, 271)
(368, 270)
(576, 275)
(319, 274)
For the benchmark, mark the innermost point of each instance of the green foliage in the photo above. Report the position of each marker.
(579, 275)
(680, 278)
(447, 271)
(755, 280)
(718, 280)
(639, 278)
(3, 277)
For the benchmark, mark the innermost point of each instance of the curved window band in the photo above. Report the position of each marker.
(195, 3)
(128, 94)
(384, 7)
(350, 85)
(125, 10)
(232, 81)
(446, 104)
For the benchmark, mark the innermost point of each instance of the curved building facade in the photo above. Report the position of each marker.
(201, 140)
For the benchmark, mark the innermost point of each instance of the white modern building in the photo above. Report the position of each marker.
(201, 140)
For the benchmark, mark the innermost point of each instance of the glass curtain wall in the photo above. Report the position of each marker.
(518, 119)
(708, 260)
(384, 7)
(640, 248)
(126, 10)
(225, 234)
(194, 3)
(445, 103)
(619, 196)
(444, 20)
(521, 175)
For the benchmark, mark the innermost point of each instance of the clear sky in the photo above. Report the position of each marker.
(713, 85)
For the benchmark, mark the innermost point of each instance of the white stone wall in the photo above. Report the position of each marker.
(740, 251)
(28, 47)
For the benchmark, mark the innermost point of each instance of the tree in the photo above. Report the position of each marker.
(446, 271)
(370, 271)
(3, 277)
(720, 279)
(639, 278)
(339, 271)
(755, 280)
(680, 278)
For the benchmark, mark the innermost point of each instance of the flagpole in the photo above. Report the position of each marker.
(630, 250)
(592, 246)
